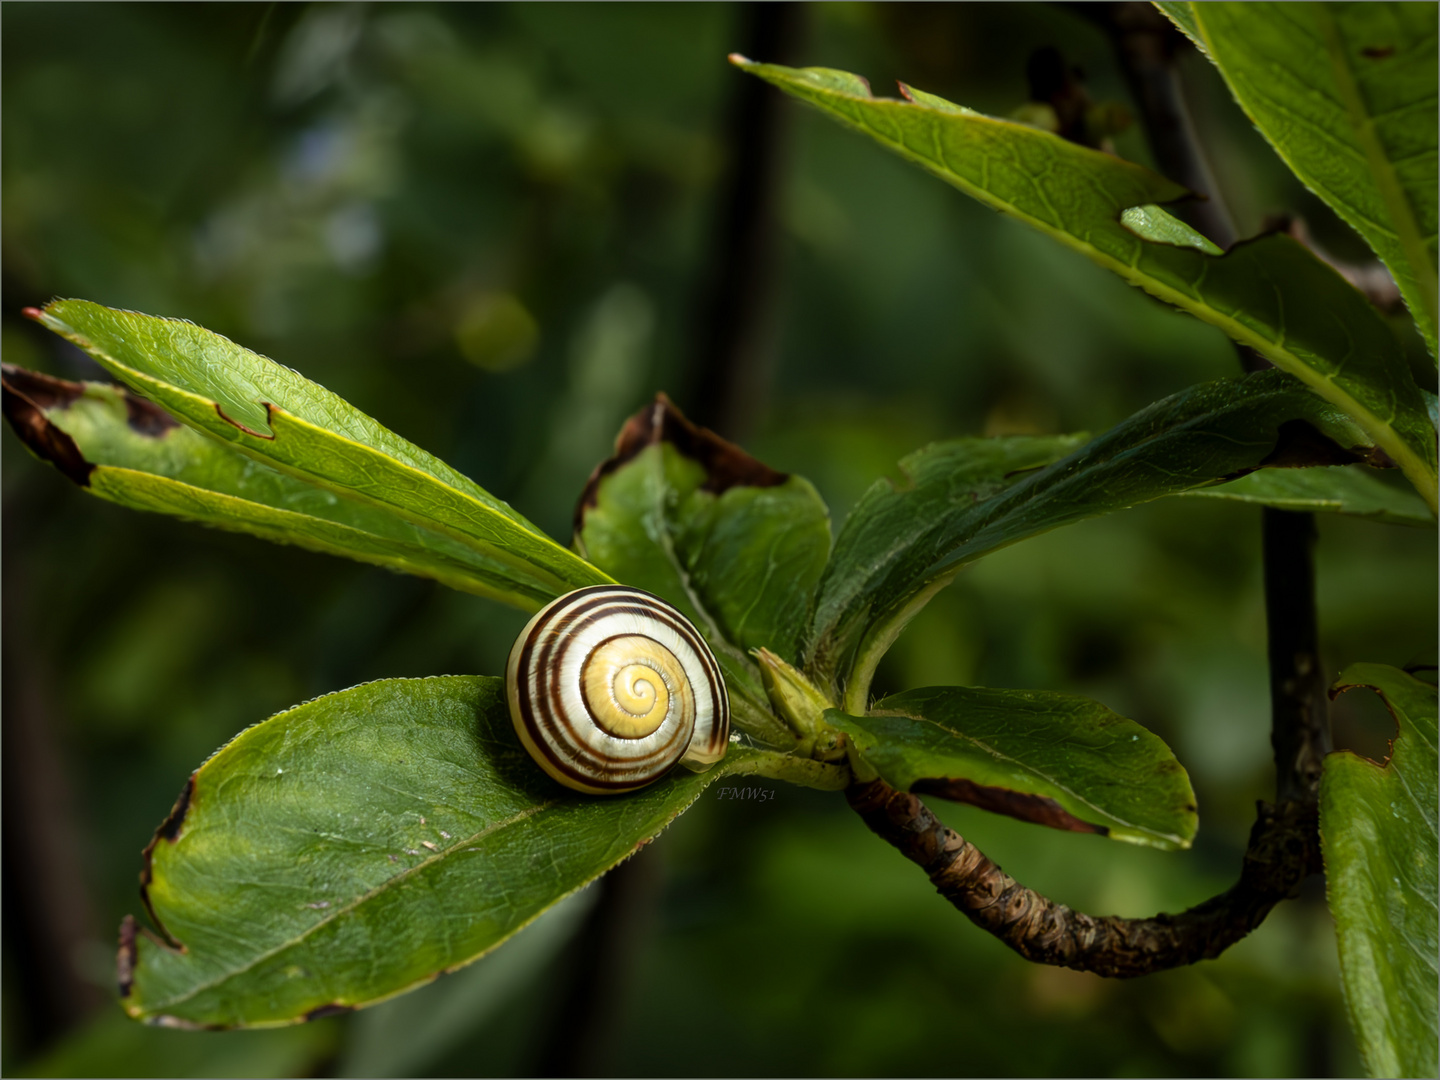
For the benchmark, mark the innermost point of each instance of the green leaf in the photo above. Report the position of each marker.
(1270, 293)
(281, 418)
(1054, 759)
(1346, 93)
(1378, 833)
(124, 449)
(1341, 489)
(1156, 224)
(1179, 12)
(361, 844)
(962, 500)
(733, 544)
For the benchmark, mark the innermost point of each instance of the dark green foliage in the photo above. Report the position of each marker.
(480, 226)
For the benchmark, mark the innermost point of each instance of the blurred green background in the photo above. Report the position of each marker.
(500, 229)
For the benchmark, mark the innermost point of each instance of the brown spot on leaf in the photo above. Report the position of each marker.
(27, 417)
(725, 464)
(125, 958)
(334, 1008)
(147, 418)
(1038, 809)
(1378, 52)
(1300, 446)
(168, 831)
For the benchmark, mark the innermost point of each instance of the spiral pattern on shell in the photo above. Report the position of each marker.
(611, 687)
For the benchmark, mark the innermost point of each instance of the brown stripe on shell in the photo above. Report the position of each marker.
(566, 623)
(539, 696)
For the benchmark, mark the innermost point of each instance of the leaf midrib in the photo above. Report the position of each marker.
(496, 551)
(1324, 383)
(1407, 228)
(1416, 467)
(370, 894)
(407, 552)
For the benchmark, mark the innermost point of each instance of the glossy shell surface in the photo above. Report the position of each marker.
(611, 687)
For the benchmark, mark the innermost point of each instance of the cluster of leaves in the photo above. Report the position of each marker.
(363, 843)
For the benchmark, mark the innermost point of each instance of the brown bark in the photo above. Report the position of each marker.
(1284, 847)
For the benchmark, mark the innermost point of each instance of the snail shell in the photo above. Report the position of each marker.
(610, 687)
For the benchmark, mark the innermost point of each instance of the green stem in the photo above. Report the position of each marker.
(877, 643)
(793, 770)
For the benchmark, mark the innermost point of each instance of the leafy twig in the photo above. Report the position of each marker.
(1284, 843)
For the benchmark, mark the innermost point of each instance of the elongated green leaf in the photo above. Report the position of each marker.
(1055, 759)
(1346, 93)
(900, 545)
(1270, 293)
(1340, 489)
(735, 545)
(358, 845)
(1378, 832)
(281, 418)
(124, 449)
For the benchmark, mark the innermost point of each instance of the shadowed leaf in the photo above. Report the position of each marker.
(1346, 489)
(1053, 759)
(1378, 833)
(965, 499)
(1346, 94)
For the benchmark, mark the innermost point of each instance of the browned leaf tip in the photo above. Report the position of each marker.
(168, 831)
(24, 397)
(29, 396)
(48, 392)
(125, 958)
(725, 464)
(1037, 809)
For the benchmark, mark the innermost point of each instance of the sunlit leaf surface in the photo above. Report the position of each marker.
(1269, 293)
(130, 452)
(279, 417)
(361, 844)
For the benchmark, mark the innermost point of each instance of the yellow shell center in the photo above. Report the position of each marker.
(627, 682)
